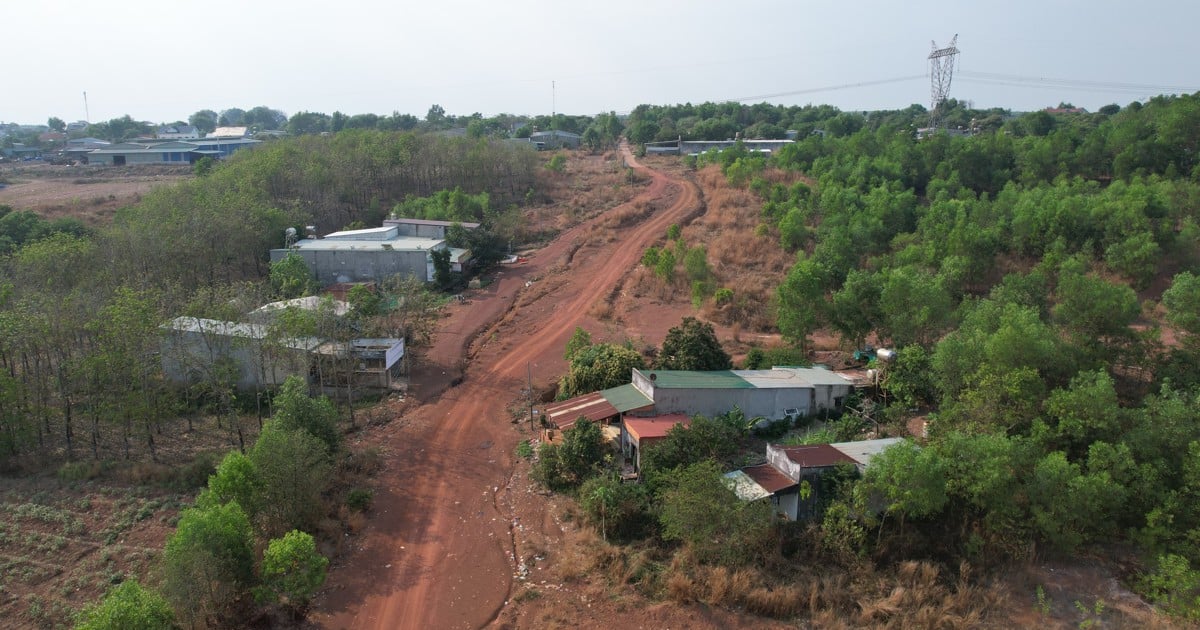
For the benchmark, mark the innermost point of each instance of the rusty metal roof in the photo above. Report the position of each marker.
(591, 406)
(654, 427)
(816, 456)
(769, 477)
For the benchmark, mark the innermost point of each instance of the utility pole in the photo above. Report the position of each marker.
(529, 392)
(87, 116)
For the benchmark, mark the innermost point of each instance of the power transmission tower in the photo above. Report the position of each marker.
(941, 71)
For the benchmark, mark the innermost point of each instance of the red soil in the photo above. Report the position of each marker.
(439, 551)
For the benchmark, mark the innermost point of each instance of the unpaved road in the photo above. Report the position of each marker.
(438, 551)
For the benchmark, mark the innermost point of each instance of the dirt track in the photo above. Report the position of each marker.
(438, 552)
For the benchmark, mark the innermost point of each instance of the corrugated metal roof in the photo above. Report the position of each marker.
(591, 406)
(684, 379)
(820, 376)
(237, 329)
(769, 478)
(863, 450)
(465, 224)
(655, 427)
(374, 234)
(310, 303)
(816, 455)
(401, 243)
(626, 398)
(773, 378)
(744, 486)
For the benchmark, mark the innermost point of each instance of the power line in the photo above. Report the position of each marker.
(829, 88)
(996, 78)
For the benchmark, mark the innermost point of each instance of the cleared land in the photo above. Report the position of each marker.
(91, 194)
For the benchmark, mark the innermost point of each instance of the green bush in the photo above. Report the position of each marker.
(360, 499)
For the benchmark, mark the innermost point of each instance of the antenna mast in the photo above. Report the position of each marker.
(941, 71)
(87, 116)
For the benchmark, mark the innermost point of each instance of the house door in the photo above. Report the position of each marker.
(118, 160)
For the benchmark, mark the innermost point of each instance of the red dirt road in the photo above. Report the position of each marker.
(438, 551)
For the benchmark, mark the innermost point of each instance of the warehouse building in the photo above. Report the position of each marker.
(370, 255)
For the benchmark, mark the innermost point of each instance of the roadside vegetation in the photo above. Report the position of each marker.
(1037, 277)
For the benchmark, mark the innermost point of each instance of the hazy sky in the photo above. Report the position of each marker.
(161, 60)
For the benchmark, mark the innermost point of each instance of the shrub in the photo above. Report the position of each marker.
(128, 607)
(360, 499)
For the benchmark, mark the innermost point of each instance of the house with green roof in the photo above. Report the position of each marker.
(774, 394)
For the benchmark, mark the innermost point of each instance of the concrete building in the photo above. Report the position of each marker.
(773, 394)
(425, 228)
(555, 140)
(788, 467)
(373, 254)
(167, 152)
(367, 363)
(193, 349)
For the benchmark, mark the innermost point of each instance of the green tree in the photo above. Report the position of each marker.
(56, 124)
(1183, 303)
(291, 277)
(598, 367)
(579, 341)
(692, 345)
(208, 562)
(914, 306)
(716, 439)
(699, 509)
(295, 410)
(237, 480)
(294, 468)
(1093, 307)
(582, 450)
(205, 120)
(204, 166)
(441, 267)
(911, 479)
(128, 606)
(801, 299)
(567, 465)
(292, 570)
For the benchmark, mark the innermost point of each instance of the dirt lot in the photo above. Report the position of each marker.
(90, 193)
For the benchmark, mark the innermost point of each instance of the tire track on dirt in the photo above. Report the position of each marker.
(437, 554)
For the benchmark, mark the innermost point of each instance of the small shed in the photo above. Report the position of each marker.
(639, 433)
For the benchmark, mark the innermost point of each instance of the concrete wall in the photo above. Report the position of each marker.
(333, 266)
(189, 357)
(830, 396)
(770, 403)
(423, 231)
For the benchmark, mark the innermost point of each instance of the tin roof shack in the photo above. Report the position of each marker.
(361, 363)
(807, 464)
(775, 394)
(789, 467)
(764, 481)
(373, 254)
(638, 433)
(195, 350)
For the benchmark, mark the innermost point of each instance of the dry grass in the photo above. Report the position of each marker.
(913, 595)
(742, 256)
